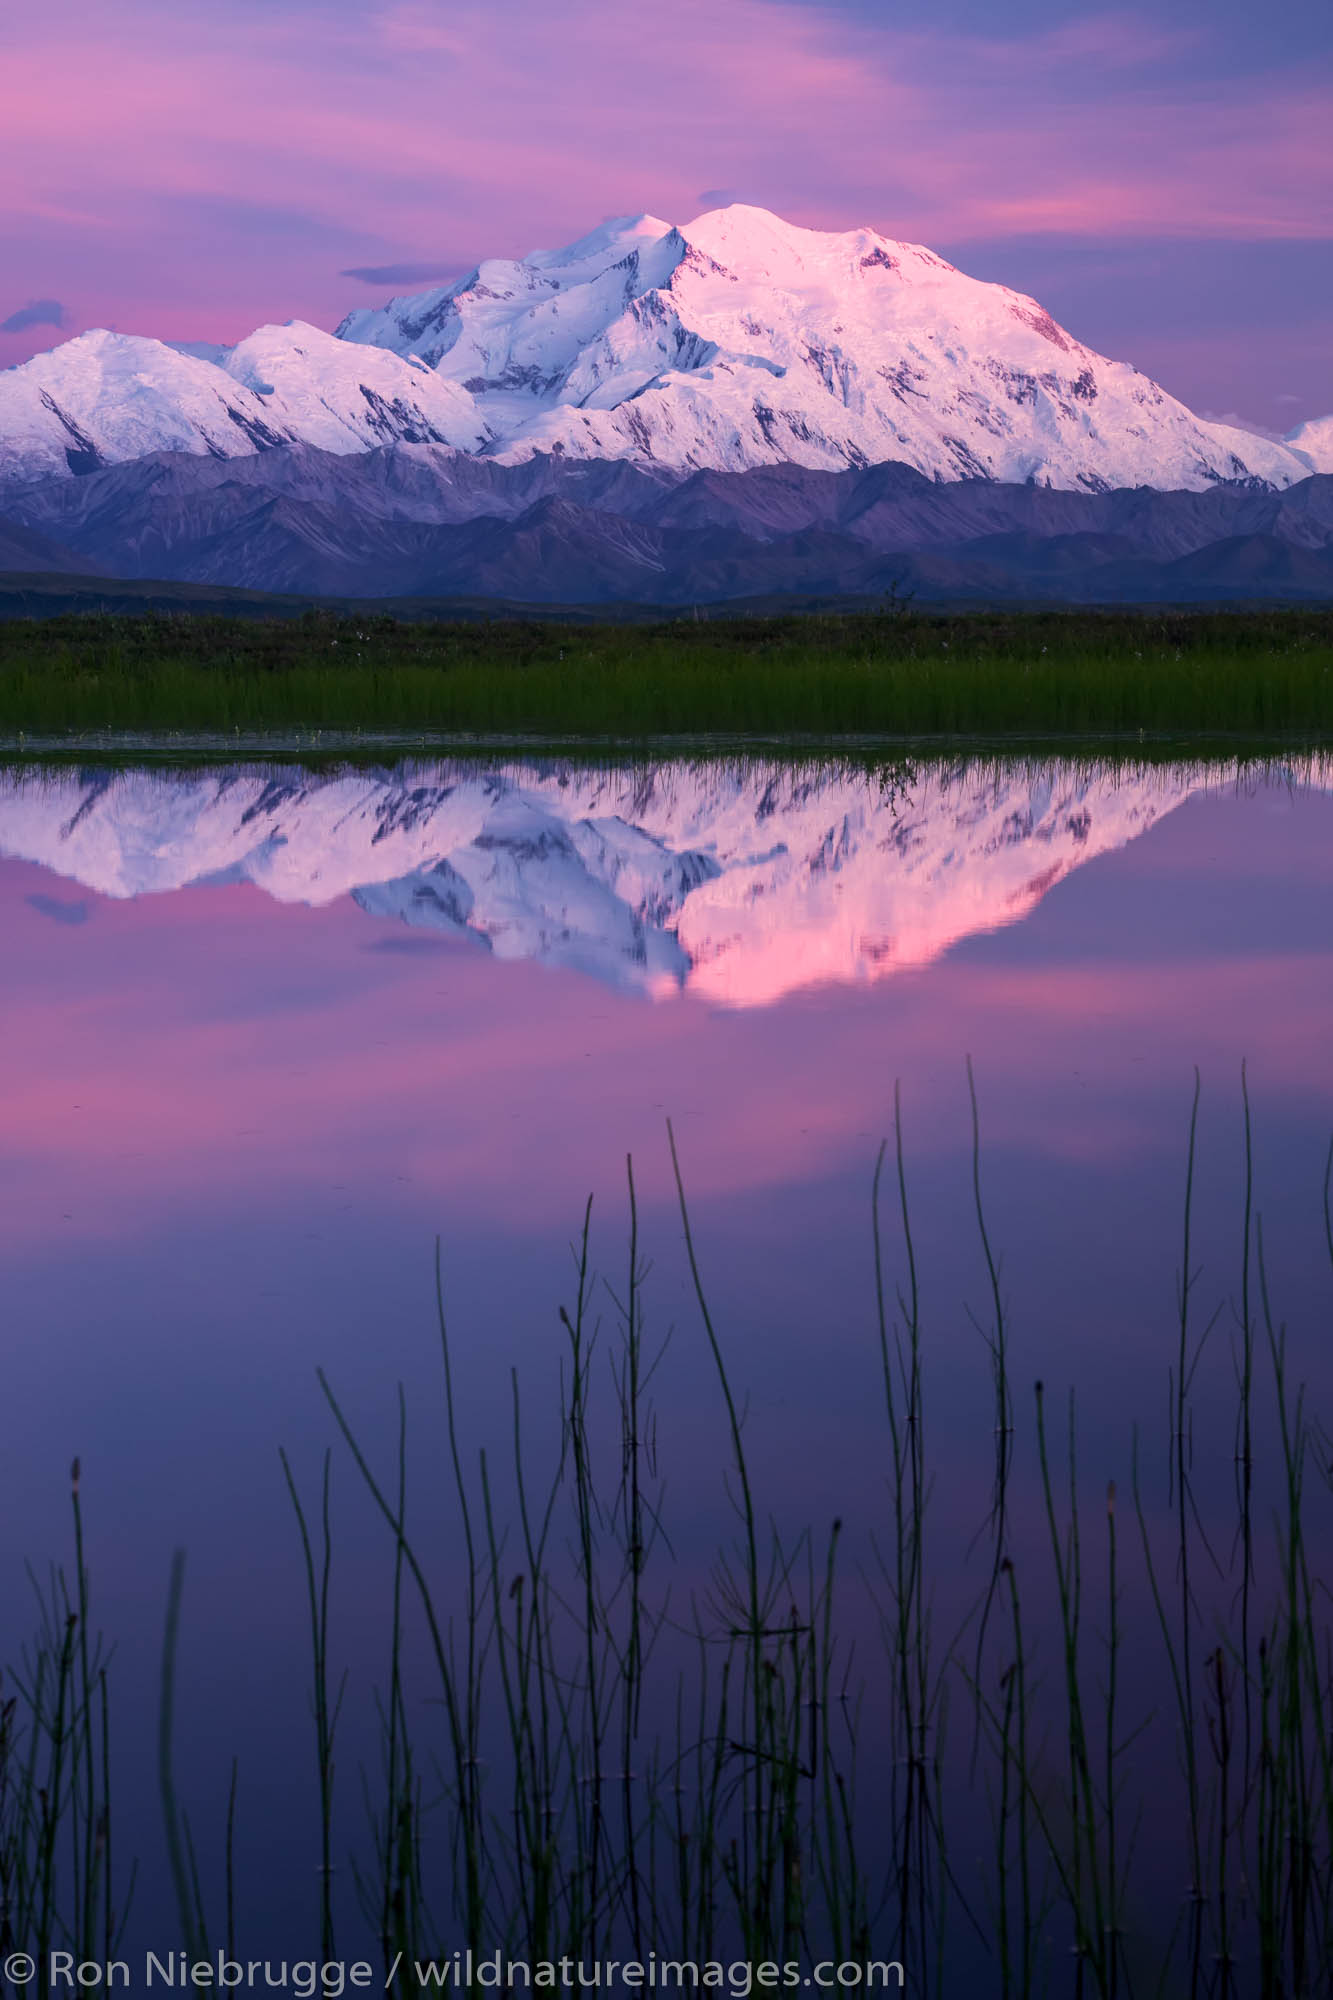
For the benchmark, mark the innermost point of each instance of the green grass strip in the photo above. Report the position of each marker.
(1251, 674)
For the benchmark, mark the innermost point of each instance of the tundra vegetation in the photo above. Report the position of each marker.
(891, 671)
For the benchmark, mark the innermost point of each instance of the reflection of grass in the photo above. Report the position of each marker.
(796, 1760)
(1236, 672)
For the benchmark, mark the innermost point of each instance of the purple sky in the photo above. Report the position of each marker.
(1162, 181)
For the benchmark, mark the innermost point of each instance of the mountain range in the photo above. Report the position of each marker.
(418, 522)
(734, 408)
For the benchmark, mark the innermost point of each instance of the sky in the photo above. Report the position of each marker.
(1161, 179)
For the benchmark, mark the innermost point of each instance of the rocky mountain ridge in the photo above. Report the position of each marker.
(414, 520)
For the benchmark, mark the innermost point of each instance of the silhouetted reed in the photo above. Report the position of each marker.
(608, 1759)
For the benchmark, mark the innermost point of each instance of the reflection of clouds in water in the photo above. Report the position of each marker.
(201, 1018)
(58, 911)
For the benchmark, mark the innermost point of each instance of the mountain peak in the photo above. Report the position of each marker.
(737, 340)
(617, 235)
(1313, 441)
(755, 241)
(740, 339)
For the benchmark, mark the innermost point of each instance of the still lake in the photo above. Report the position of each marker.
(269, 1030)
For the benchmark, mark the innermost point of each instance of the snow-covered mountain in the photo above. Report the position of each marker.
(1314, 440)
(105, 398)
(736, 341)
(743, 340)
(740, 883)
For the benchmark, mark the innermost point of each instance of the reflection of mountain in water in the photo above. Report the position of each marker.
(742, 882)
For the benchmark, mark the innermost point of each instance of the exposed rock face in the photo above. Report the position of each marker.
(420, 521)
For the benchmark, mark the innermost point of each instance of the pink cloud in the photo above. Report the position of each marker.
(494, 127)
(229, 1052)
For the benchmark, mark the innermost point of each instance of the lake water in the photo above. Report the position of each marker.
(269, 1031)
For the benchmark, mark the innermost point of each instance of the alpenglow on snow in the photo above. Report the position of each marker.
(735, 341)
(740, 885)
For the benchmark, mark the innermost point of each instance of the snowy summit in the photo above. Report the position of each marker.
(733, 341)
